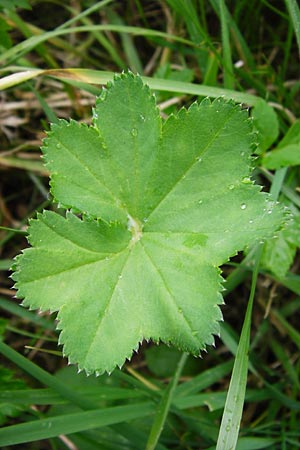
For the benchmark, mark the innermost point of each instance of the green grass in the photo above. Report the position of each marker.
(54, 59)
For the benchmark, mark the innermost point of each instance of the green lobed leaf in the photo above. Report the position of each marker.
(162, 206)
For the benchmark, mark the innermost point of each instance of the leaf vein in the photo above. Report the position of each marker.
(169, 294)
(183, 175)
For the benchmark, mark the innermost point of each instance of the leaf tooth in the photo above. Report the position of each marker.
(205, 102)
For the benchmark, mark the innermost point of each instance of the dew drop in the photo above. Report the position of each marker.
(246, 180)
(142, 118)
(231, 186)
(200, 202)
(270, 211)
(145, 220)
(199, 159)
(250, 221)
(180, 310)
(134, 132)
(120, 277)
(243, 206)
(58, 145)
(242, 153)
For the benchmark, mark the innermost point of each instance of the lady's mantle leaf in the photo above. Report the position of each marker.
(163, 205)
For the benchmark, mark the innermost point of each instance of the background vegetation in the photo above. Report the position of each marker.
(187, 50)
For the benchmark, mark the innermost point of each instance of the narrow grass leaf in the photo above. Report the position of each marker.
(132, 56)
(102, 77)
(292, 332)
(164, 406)
(240, 43)
(253, 443)
(50, 397)
(227, 59)
(25, 164)
(294, 12)
(72, 423)
(203, 380)
(19, 77)
(16, 309)
(26, 46)
(232, 415)
(5, 264)
(285, 360)
(46, 378)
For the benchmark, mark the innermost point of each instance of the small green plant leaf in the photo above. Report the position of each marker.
(287, 153)
(279, 253)
(162, 206)
(266, 123)
(282, 157)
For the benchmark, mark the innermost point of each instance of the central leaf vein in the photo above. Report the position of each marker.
(194, 162)
(107, 304)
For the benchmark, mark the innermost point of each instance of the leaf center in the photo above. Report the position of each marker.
(135, 227)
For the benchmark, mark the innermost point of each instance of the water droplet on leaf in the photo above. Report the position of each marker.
(243, 206)
(246, 180)
(134, 132)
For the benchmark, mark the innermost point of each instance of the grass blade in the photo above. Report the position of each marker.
(227, 59)
(72, 423)
(45, 378)
(294, 12)
(24, 47)
(90, 76)
(230, 424)
(16, 309)
(164, 406)
(232, 415)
